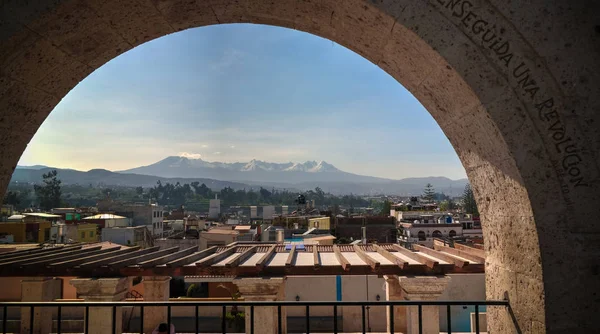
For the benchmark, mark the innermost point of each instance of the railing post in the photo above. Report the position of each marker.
(335, 320)
(59, 320)
(477, 319)
(4, 319)
(391, 319)
(141, 319)
(449, 319)
(223, 319)
(252, 319)
(307, 319)
(86, 320)
(364, 319)
(196, 320)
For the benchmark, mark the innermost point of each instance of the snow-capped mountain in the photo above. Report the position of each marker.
(312, 167)
(290, 175)
(254, 170)
(255, 165)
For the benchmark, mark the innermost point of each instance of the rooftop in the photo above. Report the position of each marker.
(42, 215)
(105, 216)
(220, 231)
(239, 259)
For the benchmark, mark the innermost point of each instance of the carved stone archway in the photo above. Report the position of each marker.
(513, 86)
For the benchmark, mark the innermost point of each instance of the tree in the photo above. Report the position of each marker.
(429, 193)
(319, 196)
(447, 205)
(469, 204)
(49, 193)
(387, 207)
(12, 198)
(265, 194)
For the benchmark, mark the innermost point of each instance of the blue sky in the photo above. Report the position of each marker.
(238, 92)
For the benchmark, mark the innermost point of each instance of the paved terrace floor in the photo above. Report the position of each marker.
(240, 259)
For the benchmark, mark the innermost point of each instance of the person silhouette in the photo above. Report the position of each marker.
(162, 329)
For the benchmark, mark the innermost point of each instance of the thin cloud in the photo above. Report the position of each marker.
(230, 57)
(190, 155)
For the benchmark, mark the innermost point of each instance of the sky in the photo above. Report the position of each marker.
(238, 92)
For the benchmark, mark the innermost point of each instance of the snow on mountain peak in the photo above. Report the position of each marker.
(253, 165)
(323, 166)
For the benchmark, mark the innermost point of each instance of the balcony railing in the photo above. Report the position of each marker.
(364, 305)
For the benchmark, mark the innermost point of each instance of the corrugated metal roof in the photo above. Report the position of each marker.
(42, 215)
(105, 216)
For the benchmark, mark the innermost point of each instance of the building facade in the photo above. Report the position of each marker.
(214, 208)
(149, 215)
(127, 236)
(423, 234)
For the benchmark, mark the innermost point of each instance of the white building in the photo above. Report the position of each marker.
(126, 236)
(268, 212)
(253, 212)
(424, 233)
(214, 208)
(157, 220)
(111, 220)
(141, 214)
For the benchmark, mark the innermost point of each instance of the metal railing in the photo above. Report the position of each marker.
(278, 304)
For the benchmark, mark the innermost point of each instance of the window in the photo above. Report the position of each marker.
(437, 234)
(91, 234)
(452, 233)
(421, 235)
(82, 235)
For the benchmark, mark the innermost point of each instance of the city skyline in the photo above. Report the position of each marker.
(233, 93)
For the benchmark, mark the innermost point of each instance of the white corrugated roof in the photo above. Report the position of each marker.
(105, 216)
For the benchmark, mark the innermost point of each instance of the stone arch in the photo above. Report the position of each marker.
(452, 233)
(513, 87)
(436, 234)
(421, 235)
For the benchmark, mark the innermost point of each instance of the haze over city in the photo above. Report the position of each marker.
(234, 93)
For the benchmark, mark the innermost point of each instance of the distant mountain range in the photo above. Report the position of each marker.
(103, 177)
(253, 171)
(216, 175)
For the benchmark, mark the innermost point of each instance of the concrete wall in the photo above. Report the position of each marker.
(121, 236)
(216, 238)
